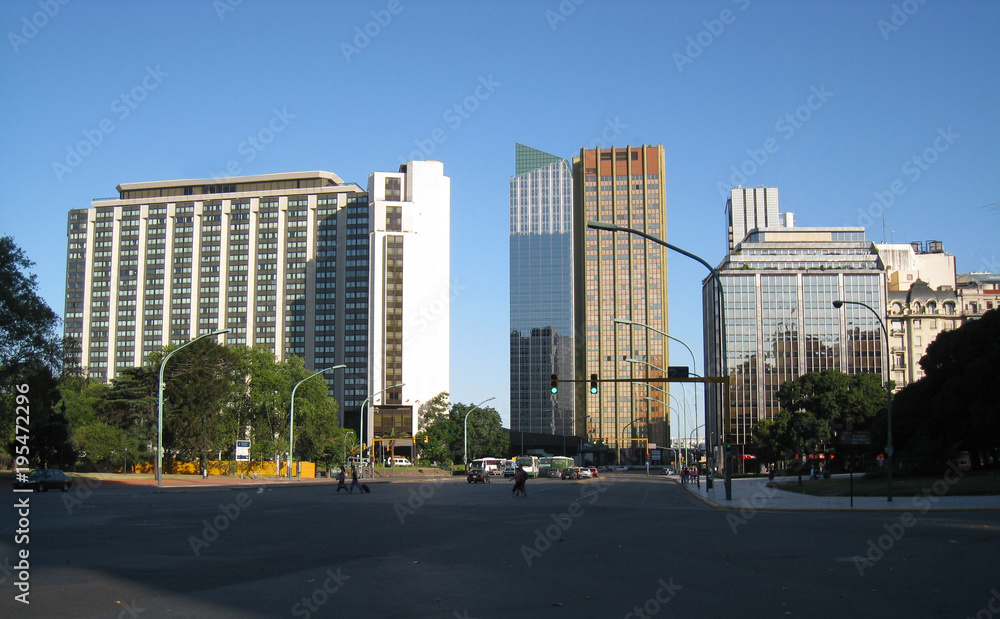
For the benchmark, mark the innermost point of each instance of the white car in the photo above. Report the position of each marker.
(585, 473)
(621, 468)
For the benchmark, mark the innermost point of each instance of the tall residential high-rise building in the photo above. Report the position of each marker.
(410, 294)
(778, 321)
(281, 260)
(623, 276)
(542, 340)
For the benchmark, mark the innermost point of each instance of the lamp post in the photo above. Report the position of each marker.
(694, 361)
(345, 446)
(361, 439)
(291, 414)
(598, 225)
(888, 391)
(159, 404)
(680, 407)
(623, 434)
(465, 438)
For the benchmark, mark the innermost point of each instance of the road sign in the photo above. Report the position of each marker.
(242, 451)
(855, 438)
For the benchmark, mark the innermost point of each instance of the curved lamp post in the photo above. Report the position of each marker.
(599, 225)
(159, 404)
(465, 438)
(888, 391)
(694, 361)
(291, 414)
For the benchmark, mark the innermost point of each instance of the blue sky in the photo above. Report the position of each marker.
(853, 109)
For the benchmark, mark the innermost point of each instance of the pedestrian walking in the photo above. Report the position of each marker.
(341, 480)
(519, 479)
(354, 480)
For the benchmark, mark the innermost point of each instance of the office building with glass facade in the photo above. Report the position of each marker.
(777, 321)
(542, 340)
(621, 276)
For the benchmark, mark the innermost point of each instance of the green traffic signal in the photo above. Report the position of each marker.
(555, 383)
(593, 383)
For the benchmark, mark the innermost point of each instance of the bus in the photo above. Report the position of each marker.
(529, 464)
(492, 466)
(554, 466)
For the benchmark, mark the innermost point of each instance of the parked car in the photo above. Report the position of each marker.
(478, 476)
(572, 472)
(621, 468)
(594, 472)
(397, 461)
(585, 472)
(509, 472)
(41, 480)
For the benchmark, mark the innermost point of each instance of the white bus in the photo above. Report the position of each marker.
(492, 466)
(529, 464)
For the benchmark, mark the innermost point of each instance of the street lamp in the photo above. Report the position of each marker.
(465, 438)
(159, 404)
(694, 361)
(291, 414)
(598, 225)
(888, 390)
(623, 435)
(361, 439)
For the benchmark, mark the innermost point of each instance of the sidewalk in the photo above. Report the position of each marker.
(189, 482)
(753, 493)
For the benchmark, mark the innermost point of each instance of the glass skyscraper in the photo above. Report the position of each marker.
(542, 341)
(779, 285)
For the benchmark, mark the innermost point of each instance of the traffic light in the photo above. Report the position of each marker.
(593, 383)
(555, 383)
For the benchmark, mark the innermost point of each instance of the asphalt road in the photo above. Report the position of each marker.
(619, 546)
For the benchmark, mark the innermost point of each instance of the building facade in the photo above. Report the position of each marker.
(410, 295)
(542, 339)
(775, 320)
(621, 276)
(281, 260)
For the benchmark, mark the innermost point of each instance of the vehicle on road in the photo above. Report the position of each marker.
(492, 466)
(572, 472)
(585, 472)
(621, 468)
(529, 464)
(397, 461)
(594, 472)
(478, 476)
(509, 472)
(41, 480)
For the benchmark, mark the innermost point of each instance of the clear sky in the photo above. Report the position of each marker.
(874, 113)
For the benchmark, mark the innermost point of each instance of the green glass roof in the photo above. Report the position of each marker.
(527, 159)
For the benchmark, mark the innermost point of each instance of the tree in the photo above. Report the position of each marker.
(29, 355)
(485, 432)
(441, 429)
(955, 406)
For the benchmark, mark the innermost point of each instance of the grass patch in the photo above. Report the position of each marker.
(970, 484)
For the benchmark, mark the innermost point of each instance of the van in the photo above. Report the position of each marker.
(397, 461)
